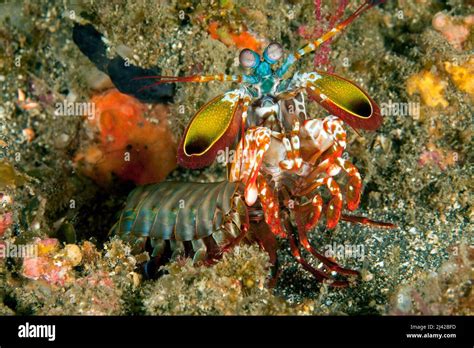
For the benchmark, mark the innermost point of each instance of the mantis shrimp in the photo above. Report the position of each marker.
(283, 159)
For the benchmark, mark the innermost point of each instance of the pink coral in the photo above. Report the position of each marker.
(5, 221)
(455, 34)
(50, 264)
(45, 268)
(100, 278)
(33, 268)
(438, 157)
(321, 56)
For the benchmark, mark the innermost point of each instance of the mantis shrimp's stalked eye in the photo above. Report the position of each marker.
(249, 58)
(273, 53)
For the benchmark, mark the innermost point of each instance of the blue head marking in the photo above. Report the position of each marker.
(263, 69)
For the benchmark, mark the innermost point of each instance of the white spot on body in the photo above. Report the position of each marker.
(295, 140)
(287, 144)
(251, 194)
(334, 170)
(231, 97)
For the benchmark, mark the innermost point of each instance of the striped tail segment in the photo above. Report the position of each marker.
(175, 218)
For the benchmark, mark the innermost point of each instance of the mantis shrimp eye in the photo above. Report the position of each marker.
(249, 58)
(273, 52)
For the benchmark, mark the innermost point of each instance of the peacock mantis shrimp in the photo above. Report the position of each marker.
(283, 159)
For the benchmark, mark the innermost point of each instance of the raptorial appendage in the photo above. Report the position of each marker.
(293, 191)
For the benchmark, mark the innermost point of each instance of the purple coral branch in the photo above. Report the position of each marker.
(321, 57)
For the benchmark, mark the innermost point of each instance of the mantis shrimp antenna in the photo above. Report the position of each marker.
(194, 78)
(338, 28)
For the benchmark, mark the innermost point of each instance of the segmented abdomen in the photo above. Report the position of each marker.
(184, 217)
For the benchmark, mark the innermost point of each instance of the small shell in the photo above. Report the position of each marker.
(384, 142)
(28, 134)
(73, 254)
